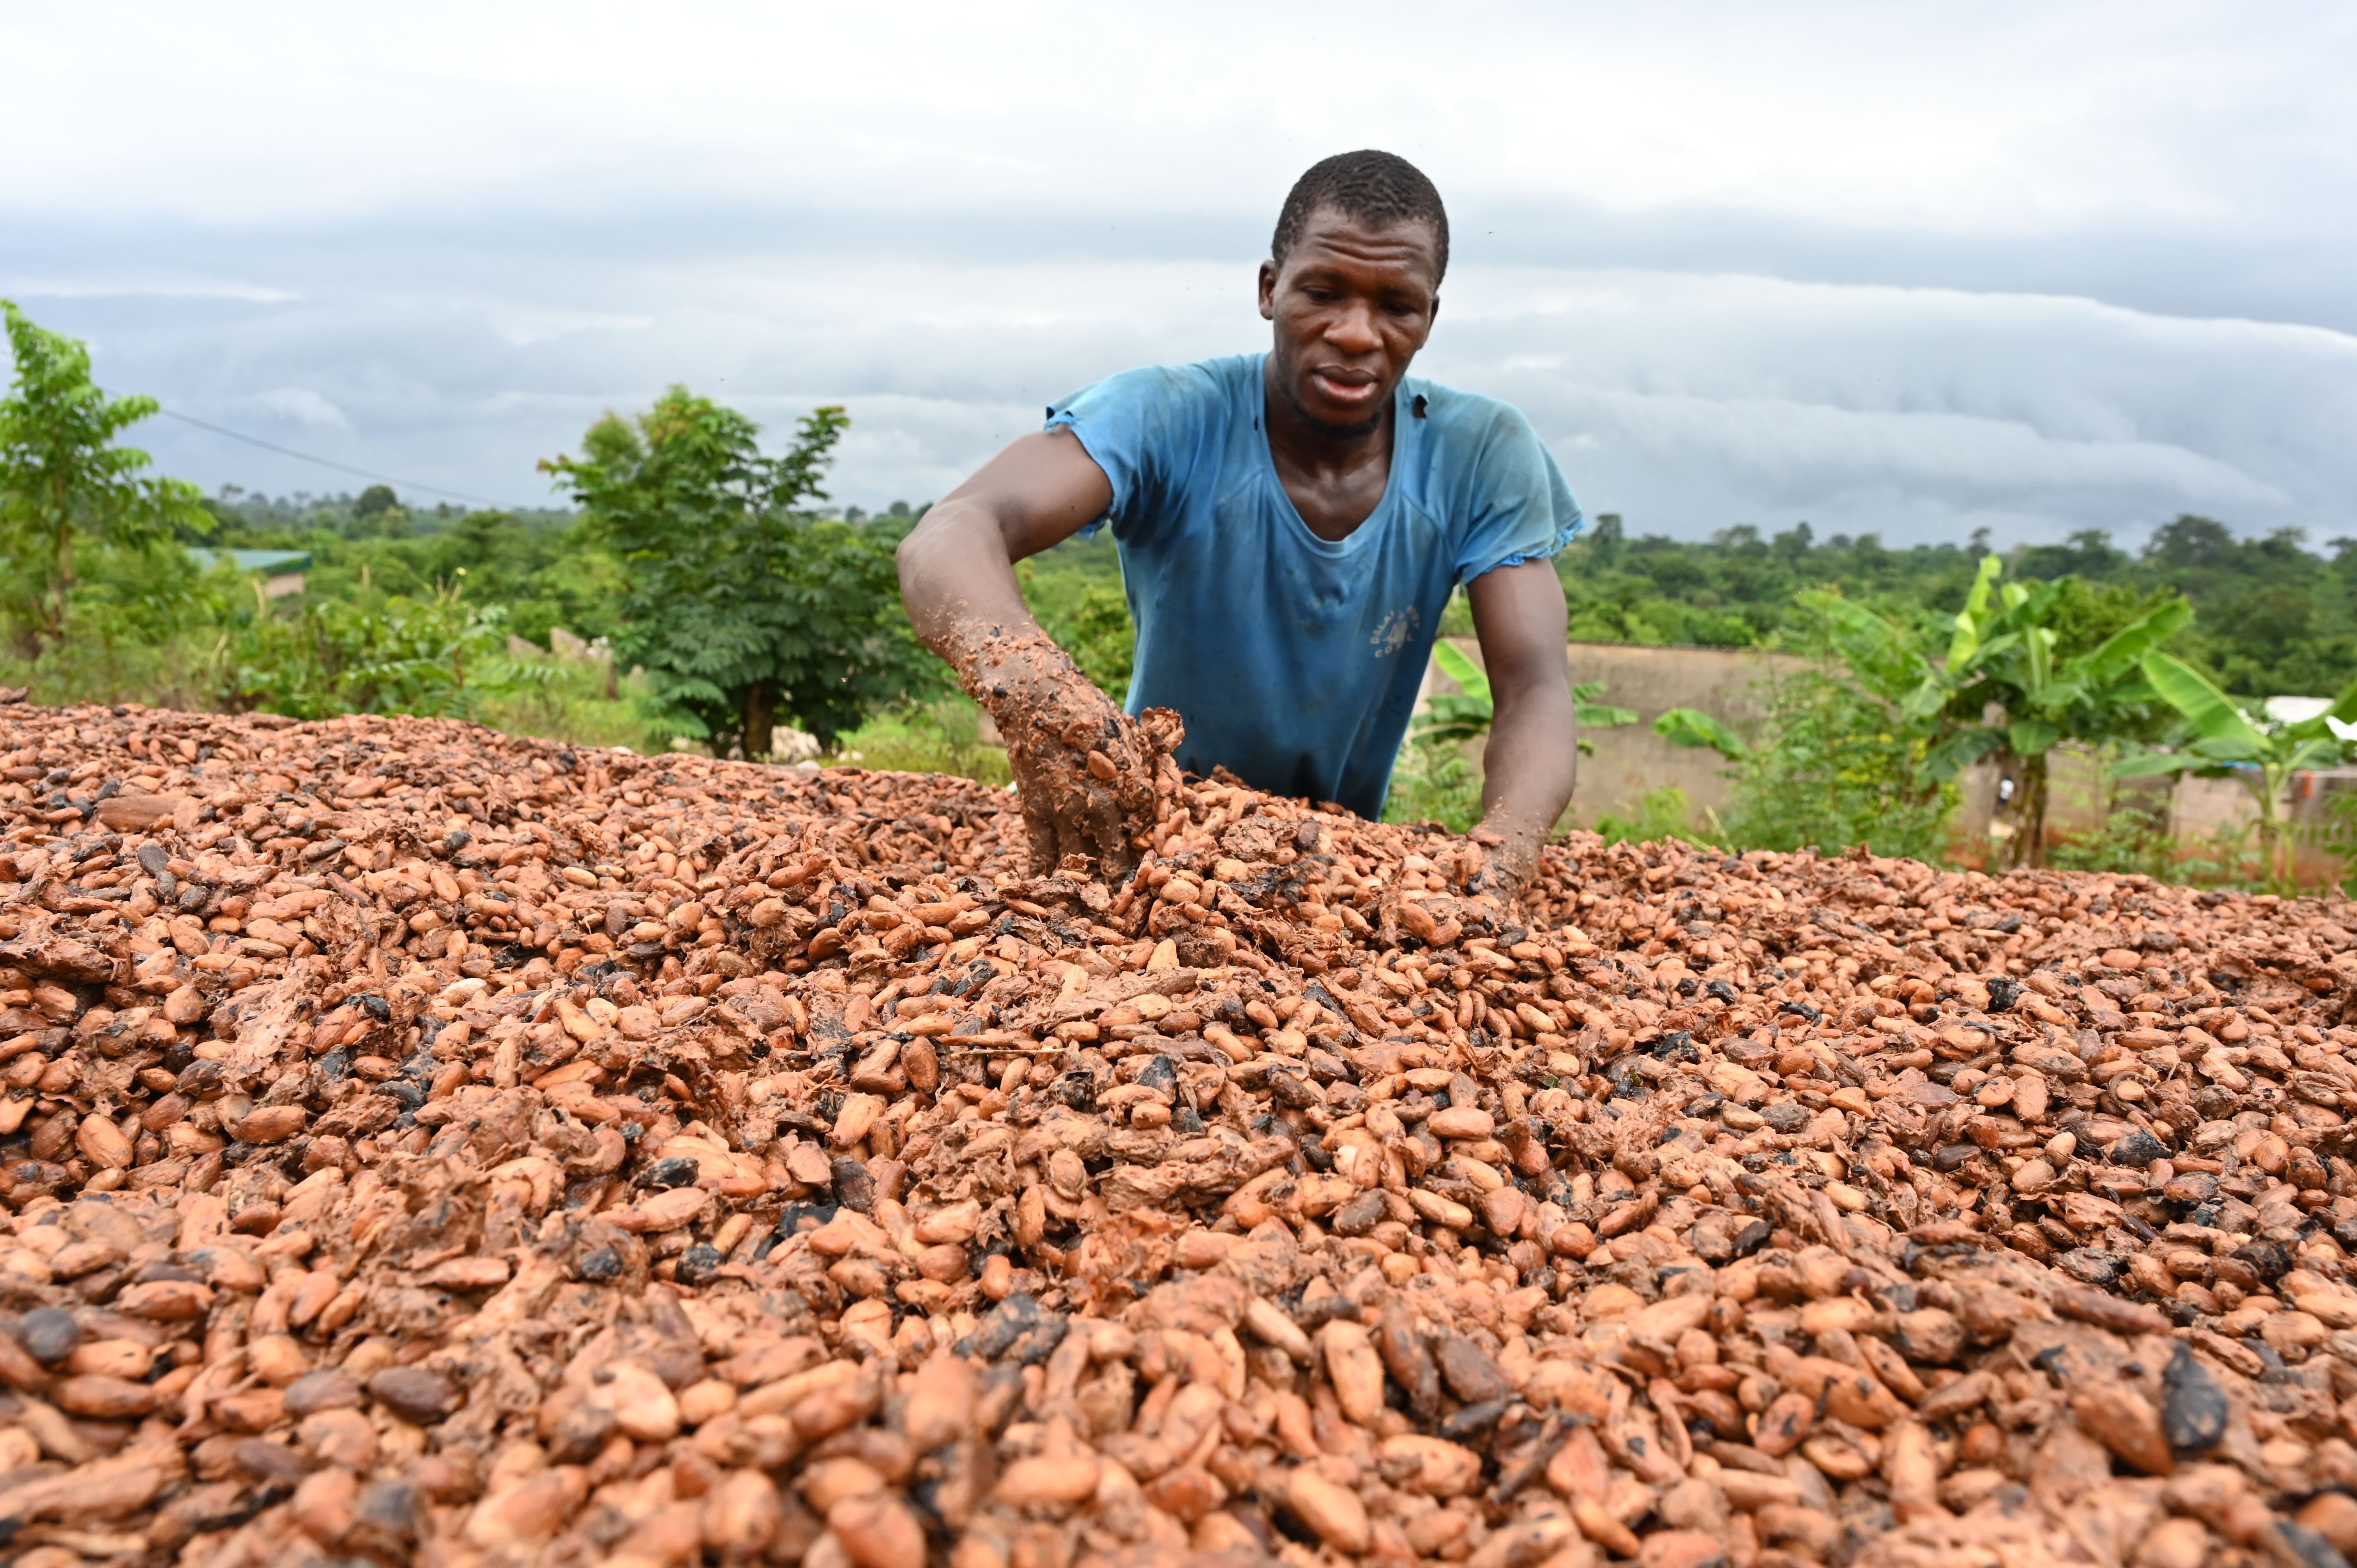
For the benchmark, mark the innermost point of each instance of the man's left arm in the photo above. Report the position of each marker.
(1532, 758)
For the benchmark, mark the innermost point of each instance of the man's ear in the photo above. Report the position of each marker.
(1268, 291)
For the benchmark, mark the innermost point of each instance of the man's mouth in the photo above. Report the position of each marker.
(1352, 389)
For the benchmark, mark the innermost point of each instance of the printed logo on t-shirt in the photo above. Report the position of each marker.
(1392, 632)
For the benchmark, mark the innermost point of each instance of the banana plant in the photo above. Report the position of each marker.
(2002, 691)
(2258, 751)
(1454, 719)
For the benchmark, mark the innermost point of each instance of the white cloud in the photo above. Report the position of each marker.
(36, 286)
(1909, 269)
(298, 405)
(2025, 117)
(522, 325)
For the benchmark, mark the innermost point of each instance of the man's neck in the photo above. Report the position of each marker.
(1335, 478)
(1300, 442)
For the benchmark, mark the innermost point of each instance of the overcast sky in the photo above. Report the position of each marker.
(1912, 269)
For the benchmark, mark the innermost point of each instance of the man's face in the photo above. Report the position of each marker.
(1352, 305)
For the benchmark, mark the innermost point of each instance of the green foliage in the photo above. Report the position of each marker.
(740, 609)
(568, 700)
(1434, 782)
(83, 526)
(2262, 754)
(2135, 839)
(1589, 711)
(1094, 627)
(944, 735)
(1075, 590)
(1464, 715)
(438, 657)
(1457, 718)
(1841, 763)
(1738, 589)
(2011, 685)
(1665, 813)
(1693, 727)
(2008, 651)
(2275, 616)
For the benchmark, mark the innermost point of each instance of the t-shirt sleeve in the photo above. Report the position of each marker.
(1519, 507)
(1146, 429)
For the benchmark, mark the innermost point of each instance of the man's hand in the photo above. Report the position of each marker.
(1088, 772)
(1507, 864)
(1532, 758)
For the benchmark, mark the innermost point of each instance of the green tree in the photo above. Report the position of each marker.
(1842, 760)
(2260, 752)
(66, 488)
(742, 608)
(2008, 651)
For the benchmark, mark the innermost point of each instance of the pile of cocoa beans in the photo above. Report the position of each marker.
(421, 1144)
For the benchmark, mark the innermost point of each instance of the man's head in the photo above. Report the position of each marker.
(1352, 284)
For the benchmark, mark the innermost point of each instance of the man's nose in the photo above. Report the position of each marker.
(1352, 329)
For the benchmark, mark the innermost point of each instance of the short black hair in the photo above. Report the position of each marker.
(1377, 188)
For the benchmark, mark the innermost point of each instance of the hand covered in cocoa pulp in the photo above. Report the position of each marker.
(1508, 861)
(1088, 772)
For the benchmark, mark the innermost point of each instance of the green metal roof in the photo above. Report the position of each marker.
(270, 561)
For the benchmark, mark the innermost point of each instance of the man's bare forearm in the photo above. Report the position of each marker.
(1530, 768)
(957, 581)
(957, 566)
(1533, 755)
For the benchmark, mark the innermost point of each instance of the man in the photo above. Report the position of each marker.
(1290, 526)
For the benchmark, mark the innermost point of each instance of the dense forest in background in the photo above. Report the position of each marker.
(2274, 616)
(700, 589)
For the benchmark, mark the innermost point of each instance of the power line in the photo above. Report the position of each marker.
(326, 462)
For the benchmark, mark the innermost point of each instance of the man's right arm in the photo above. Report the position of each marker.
(957, 566)
(1085, 770)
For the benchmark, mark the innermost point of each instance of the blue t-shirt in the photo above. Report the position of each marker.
(1296, 661)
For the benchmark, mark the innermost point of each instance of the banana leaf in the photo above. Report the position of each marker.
(1462, 671)
(1590, 714)
(1693, 727)
(2219, 728)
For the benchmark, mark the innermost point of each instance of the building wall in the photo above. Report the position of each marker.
(1630, 762)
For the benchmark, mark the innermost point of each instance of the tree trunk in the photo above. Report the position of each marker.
(2033, 807)
(51, 628)
(758, 722)
(2272, 858)
(2030, 845)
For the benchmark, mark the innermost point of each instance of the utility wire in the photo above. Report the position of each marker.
(326, 462)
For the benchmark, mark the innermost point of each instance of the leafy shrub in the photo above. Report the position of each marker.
(440, 657)
(1839, 766)
(1434, 782)
(1665, 813)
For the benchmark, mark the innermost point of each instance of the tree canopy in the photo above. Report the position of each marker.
(742, 608)
(66, 486)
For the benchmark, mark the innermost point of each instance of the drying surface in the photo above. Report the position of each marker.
(421, 1144)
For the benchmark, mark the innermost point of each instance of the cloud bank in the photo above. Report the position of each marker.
(1907, 272)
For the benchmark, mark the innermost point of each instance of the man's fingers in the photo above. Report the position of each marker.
(1042, 834)
(1038, 820)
